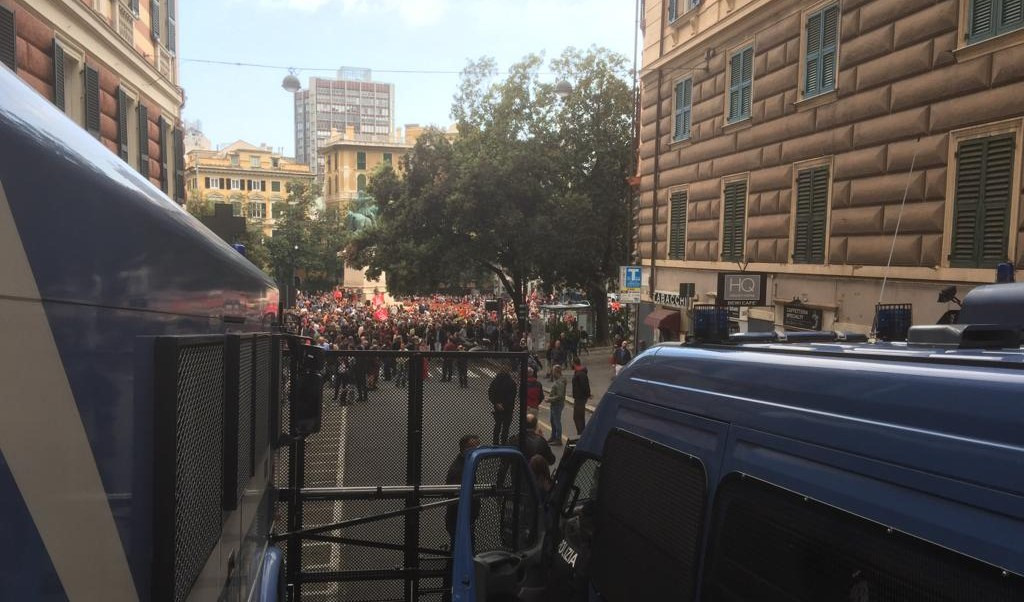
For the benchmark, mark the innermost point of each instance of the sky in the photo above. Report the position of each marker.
(317, 36)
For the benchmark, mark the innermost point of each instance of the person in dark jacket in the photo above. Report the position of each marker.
(502, 394)
(534, 444)
(580, 395)
(534, 390)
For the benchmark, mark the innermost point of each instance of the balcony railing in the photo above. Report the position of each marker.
(125, 23)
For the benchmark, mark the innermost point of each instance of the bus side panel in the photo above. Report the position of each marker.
(930, 507)
(26, 572)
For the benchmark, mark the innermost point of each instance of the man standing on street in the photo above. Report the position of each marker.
(621, 356)
(557, 401)
(446, 366)
(502, 394)
(580, 395)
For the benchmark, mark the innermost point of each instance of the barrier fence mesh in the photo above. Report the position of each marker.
(392, 418)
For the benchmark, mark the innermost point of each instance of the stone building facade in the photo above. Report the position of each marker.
(111, 66)
(830, 145)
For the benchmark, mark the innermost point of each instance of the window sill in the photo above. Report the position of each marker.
(681, 143)
(816, 101)
(993, 44)
(684, 18)
(739, 124)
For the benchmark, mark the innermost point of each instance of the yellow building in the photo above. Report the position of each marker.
(251, 178)
(350, 159)
(111, 66)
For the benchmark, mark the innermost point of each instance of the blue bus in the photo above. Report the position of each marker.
(101, 274)
(806, 470)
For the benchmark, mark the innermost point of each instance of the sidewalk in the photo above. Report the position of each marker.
(599, 369)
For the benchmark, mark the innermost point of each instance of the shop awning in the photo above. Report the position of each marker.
(663, 318)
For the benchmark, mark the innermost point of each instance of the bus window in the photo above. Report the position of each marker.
(648, 521)
(771, 544)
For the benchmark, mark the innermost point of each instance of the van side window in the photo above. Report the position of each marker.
(649, 519)
(768, 543)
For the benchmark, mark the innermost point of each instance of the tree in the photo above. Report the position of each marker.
(307, 241)
(531, 187)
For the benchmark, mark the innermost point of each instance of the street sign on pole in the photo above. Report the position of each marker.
(631, 277)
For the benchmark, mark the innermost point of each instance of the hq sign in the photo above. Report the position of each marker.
(742, 288)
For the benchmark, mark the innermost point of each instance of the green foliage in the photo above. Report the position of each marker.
(306, 241)
(533, 186)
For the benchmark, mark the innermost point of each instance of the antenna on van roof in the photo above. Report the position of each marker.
(895, 234)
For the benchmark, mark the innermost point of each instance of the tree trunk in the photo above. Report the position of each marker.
(599, 301)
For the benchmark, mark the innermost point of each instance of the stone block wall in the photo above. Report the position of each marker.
(900, 92)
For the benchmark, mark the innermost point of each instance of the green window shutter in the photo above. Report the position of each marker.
(171, 25)
(162, 126)
(360, 160)
(154, 20)
(122, 124)
(8, 39)
(981, 208)
(683, 106)
(144, 140)
(179, 165)
(981, 23)
(677, 227)
(734, 215)
(741, 74)
(812, 59)
(735, 84)
(811, 215)
(829, 44)
(92, 101)
(1011, 15)
(58, 76)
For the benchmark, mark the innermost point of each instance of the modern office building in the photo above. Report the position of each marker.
(838, 147)
(353, 100)
(111, 66)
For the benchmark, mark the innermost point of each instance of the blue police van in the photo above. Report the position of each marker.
(751, 468)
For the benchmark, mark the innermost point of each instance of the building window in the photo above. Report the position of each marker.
(274, 162)
(257, 210)
(254, 161)
(234, 160)
(236, 184)
(360, 160)
(387, 158)
(990, 18)
(821, 33)
(677, 225)
(734, 213)
(275, 186)
(981, 207)
(683, 105)
(361, 183)
(236, 208)
(674, 5)
(741, 80)
(811, 215)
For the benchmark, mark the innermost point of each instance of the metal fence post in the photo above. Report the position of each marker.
(296, 480)
(414, 470)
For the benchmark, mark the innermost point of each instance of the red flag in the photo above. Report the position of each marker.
(381, 314)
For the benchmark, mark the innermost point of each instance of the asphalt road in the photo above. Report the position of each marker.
(365, 444)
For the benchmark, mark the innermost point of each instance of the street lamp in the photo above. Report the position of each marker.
(563, 89)
(290, 83)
